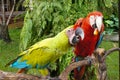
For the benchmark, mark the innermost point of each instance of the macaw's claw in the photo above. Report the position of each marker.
(89, 59)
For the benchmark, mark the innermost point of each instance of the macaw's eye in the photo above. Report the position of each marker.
(92, 17)
(69, 30)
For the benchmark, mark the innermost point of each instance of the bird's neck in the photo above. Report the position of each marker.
(62, 42)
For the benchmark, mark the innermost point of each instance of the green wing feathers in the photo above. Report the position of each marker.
(40, 56)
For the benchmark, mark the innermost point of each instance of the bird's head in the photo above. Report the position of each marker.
(75, 35)
(96, 22)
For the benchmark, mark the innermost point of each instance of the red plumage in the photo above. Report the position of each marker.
(86, 46)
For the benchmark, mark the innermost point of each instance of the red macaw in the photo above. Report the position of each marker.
(93, 27)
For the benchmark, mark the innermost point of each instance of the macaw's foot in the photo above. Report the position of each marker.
(23, 70)
(90, 60)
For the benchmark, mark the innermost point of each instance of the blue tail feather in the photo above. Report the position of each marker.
(19, 64)
(23, 64)
(100, 40)
(78, 58)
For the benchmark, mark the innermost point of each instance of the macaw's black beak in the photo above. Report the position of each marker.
(75, 35)
(75, 40)
(95, 29)
(94, 25)
(79, 34)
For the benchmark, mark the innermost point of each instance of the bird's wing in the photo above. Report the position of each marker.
(36, 58)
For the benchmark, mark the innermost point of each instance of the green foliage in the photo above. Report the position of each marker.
(26, 32)
(108, 3)
(111, 24)
(65, 60)
(108, 7)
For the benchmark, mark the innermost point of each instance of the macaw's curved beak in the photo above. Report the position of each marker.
(75, 35)
(79, 32)
(97, 25)
(96, 32)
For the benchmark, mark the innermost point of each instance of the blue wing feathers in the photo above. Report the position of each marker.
(19, 64)
(23, 64)
(100, 40)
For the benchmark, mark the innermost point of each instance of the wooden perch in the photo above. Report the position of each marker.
(17, 76)
(98, 60)
(65, 73)
(109, 52)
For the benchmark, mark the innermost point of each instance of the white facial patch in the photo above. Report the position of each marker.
(92, 20)
(99, 22)
(70, 33)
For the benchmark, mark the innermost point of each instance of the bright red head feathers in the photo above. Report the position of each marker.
(93, 20)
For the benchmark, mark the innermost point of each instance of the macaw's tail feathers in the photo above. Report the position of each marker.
(18, 63)
(15, 60)
(78, 75)
(12, 61)
(79, 72)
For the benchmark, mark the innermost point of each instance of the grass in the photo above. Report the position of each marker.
(112, 61)
(11, 50)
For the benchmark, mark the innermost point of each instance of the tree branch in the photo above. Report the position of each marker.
(17, 76)
(8, 20)
(65, 73)
(109, 52)
(20, 76)
(3, 12)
